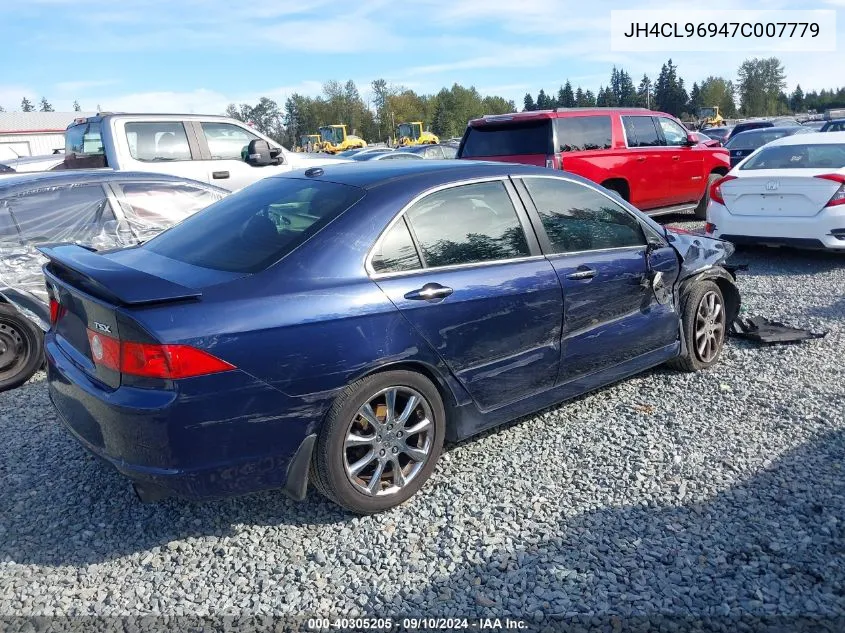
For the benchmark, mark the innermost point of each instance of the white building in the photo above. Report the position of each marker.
(34, 133)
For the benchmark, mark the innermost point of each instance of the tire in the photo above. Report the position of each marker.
(21, 348)
(694, 305)
(701, 209)
(333, 462)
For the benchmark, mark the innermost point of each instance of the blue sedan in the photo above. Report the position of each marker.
(335, 326)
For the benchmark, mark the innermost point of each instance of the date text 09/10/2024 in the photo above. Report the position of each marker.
(414, 624)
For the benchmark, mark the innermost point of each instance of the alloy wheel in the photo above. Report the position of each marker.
(389, 441)
(709, 327)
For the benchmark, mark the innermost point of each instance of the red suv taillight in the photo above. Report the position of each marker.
(838, 197)
(554, 161)
(152, 360)
(716, 189)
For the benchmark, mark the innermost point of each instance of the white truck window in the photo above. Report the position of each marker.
(154, 141)
(226, 141)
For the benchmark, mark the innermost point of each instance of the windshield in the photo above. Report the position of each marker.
(821, 156)
(707, 113)
(256, 227)
(411, 131)
(84, 138)
(332, 134)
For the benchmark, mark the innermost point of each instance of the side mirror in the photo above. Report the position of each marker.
(691, 142)
(258, 153)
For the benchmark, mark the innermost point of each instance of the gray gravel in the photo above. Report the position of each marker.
(713, 494)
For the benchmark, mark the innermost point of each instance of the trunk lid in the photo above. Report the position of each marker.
(90, 294)
(778, 194)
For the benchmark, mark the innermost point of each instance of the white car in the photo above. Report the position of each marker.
(790, 192)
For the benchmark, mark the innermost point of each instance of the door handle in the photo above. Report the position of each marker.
(641, 159)
(676, 158)
(429, 292)
(585, 273)
(219, 175)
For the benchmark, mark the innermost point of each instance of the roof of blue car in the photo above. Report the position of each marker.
(369, 174)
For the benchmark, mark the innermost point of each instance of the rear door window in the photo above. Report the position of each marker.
(583, 133)
(158, 141)
(641, 131)
(468, 224)
(396, 251)
(8, 231)
(65, 213)
(577, 218)
(513, 139)
(249, 232)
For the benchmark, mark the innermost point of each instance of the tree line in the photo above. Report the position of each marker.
(759, 90)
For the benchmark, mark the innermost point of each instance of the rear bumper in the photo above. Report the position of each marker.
(826, 229)
(210, 437)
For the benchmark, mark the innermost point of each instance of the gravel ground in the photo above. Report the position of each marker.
(714, 494)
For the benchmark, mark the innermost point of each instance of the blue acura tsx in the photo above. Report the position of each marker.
(337, 325)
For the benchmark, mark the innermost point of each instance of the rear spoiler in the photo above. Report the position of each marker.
(125, 285)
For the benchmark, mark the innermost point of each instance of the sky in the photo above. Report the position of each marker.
(200, 55)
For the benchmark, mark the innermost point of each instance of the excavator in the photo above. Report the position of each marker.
(306, 139)
(412, 134)
(335, 139)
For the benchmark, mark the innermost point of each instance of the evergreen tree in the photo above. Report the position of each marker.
(644, 93)
(45, 105)
(565, 97)
(77, 107)
(542, 100)
(528, 103)
(796, 99)
(26, 105)
(580, 99)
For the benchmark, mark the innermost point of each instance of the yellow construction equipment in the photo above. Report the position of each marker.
(709, 117)
(335, 139)
(412, 133)
(309, 142)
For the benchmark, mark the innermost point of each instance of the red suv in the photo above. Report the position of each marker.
(647, 157)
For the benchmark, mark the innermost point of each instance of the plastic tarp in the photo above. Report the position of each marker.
(82, 214)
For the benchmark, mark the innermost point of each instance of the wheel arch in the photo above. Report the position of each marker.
(451, 393)
(619, 185)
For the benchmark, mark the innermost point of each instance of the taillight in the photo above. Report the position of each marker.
(554, 162)
(838, 197)
(710, 228)
(152, 360)
(57, 311)
(716, 189)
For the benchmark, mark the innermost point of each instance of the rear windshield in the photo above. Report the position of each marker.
(822, 156)
(512, 139)
(753, 140)
(84, 138)
(256, 227)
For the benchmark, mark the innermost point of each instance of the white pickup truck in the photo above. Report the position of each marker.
(207, 148)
